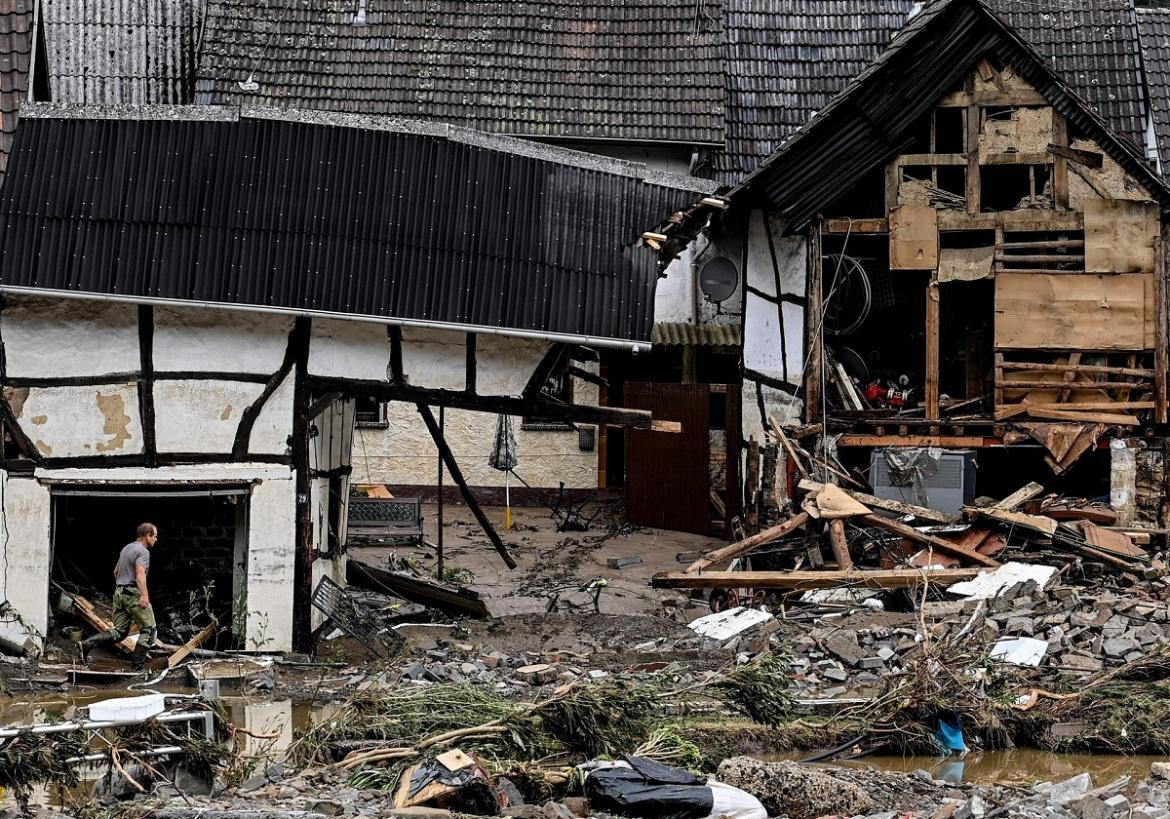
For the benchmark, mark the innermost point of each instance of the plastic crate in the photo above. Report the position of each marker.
(125, 709)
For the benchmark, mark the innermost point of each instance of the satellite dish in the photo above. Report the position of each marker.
(718, 278)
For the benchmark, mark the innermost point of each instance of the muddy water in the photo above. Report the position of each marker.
(1018, 767)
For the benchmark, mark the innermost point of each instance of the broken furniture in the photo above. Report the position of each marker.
(457, 601)
(343, 612)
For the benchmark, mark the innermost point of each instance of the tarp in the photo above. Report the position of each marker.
(644, 788)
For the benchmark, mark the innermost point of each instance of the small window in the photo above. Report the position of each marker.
(560, 388)
(370, 412)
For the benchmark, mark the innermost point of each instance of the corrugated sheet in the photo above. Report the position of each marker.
(682, 334)
(122, 52)
(410, 221)
(786, 59)
(646, 70)
(1154, 29)
(16, 35)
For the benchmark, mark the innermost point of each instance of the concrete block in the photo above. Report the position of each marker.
(1064, 792)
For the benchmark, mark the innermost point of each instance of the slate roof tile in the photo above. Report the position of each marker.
(597, 69)
(16, 21)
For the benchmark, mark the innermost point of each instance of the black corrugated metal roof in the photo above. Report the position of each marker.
(1154, 29)
(869, 121)
(598, 69)
(360, 216)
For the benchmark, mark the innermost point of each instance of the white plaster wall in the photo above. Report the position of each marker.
(201, 416)
(234, 341)
(404, 452)
(763, 351)
(271, 564)
(25, 582)
(435, 359)
(75, 421)
(274, 423)
(674, 298)
(503, 364)
(56, 338)
(349, 349)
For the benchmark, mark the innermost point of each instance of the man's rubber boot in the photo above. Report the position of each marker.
(138, 658)
(90, 643)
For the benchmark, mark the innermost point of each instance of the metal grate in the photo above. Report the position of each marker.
(345, 613)
(382, 510)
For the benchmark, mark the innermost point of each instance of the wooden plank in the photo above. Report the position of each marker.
(804, 580)
(789, 448)
(893, 183)
(1014, 220)
(857, 226)
(718, 504)
(839, 544)
(1095, 369)
(1060, 152)
(913, 238)
(1068, 384)
(1040, 524)
(944, 546)
(1015, 158)
(1021, 496)
(742, 547)
(944, 441)
(929, 160)
(1090, 159)
(1053, 311)
(1041, 257)
(454, 600)
(972, 123)
(920, 512)
(1113, 419)
(1093, 406)
(1042, 245)
(192, 644)
(751, 485)
(932, 352)
(815, 354)
(1120, 235)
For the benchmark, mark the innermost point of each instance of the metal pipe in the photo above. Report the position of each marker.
(563, 338)
(163, 751)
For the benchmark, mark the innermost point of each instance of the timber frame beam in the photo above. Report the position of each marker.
(459, 399)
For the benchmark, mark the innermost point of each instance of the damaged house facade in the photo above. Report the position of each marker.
(956, 276)
(195, 298)
(571, 76)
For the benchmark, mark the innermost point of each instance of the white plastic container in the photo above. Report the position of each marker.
(125, 709)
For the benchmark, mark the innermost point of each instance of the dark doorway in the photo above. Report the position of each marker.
(199, 566)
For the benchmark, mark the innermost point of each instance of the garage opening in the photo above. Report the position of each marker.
(198, 569)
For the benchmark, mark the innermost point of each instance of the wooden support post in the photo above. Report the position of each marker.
(893, 182)
(971, 117)
(840, 545)
(1161, 327)
(944, 546)
(814, 352)
(1059, 162)
(439, 530)
(751, 486)
(742, 547)
(457, 476)
(1070, 375)
(1165, 508)
(933, 412)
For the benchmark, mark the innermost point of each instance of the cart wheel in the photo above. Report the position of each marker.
(723, 599)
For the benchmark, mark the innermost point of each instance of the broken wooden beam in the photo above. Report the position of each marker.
(804, 580)
(1021, 496)
(454, 600)
(840, 544)
(944, 546)
(192, 644)
(457, 475)
(886, 504)
(742, 547)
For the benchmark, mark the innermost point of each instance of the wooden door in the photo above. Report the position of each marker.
(667, 473)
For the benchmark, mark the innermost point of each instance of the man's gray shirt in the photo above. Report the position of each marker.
(133, 554)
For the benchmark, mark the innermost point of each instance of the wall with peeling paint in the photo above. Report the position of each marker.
(25, 579)
(65, 422)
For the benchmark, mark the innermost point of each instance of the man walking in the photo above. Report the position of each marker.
(131, 599)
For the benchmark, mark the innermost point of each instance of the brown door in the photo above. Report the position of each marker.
(667, 473)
